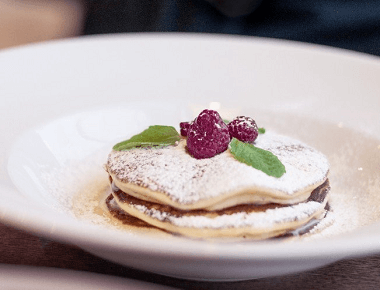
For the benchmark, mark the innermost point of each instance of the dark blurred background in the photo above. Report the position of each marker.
(349, 24)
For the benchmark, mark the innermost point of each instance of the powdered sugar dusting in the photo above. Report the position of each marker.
(184, 179)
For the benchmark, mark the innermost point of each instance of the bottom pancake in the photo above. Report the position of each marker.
(249, 220)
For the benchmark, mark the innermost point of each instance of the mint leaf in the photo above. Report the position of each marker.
(256, 157)
(261, 130)
(226, 121)
(153, 136)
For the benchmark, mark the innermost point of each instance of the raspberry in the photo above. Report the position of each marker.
(243, 129)
(208, 135)
(184, 128)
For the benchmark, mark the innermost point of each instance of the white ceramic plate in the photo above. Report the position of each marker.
(18, 277)
(65, 103)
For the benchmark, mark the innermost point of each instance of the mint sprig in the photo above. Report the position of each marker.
(153, 136)
(256, 157)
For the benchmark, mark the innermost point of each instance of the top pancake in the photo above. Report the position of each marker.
(171, 176)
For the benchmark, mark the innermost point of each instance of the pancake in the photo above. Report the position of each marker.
(219, 197)
(246, 220)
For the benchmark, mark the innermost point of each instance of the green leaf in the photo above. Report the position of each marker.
(261, 130)
(153, 136)
(226, 121)
(256, 157)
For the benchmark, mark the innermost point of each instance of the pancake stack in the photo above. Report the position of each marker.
(217, 197)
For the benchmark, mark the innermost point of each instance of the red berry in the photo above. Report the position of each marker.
(208, 135)
(243, 129)
(184, 128)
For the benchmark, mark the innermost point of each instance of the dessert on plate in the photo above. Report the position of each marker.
(218, 180)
